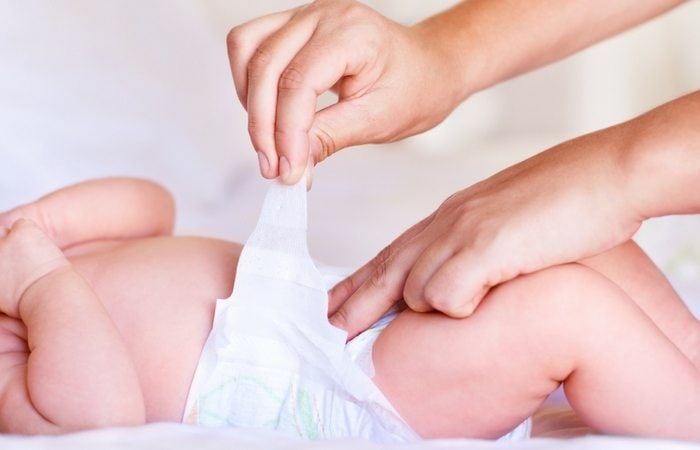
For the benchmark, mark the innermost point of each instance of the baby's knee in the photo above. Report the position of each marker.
(567, 296)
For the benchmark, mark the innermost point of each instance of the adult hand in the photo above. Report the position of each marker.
(391, 82)
(560, 206)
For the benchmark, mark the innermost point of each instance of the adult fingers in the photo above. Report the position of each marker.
(459, 285)
(242, 42)
(264, 70)
(378, 293)
(343, 290)
(314, 70)
(429, 262)
(343, 124)
(381, 290)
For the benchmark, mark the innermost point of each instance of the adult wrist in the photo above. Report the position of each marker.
(661, 159)
(458, 58)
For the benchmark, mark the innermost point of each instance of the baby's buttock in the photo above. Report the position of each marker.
(161, 294)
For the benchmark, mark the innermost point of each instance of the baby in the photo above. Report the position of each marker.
(104, 315)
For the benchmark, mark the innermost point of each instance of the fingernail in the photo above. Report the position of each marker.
(264, 163)
(285, 168)
(309, 174)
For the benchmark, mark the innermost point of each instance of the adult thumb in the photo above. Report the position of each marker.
(338, 126)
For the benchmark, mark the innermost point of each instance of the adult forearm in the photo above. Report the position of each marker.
(488, 41)
(662, 159)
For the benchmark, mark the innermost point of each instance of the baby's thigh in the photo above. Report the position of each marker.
(483, 375)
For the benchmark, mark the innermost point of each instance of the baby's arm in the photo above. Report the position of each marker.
(101, 209)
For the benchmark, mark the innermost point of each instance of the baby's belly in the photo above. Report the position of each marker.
(161, 294)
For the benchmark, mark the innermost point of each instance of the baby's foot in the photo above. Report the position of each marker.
(29, 211)
(26, 256)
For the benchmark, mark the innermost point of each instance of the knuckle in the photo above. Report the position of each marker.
(236, 38)
(380, 266)
(255, 129)
(353, 10)
(384, 255)
(261, 136)
(292, 78)
(372, 48)
(330, 3)
(327, 144)
(259, 62)
(378, 278)
(450, 201)
(284, 134)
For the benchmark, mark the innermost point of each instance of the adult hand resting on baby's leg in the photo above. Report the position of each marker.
(575, 200)
(523, 219)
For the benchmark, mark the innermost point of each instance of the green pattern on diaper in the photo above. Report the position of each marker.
(307, 414)
(302, 412)
(686, 257)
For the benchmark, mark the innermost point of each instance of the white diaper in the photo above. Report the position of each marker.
(273, 361)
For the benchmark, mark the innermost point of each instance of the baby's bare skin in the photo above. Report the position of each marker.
(171, 284)
(475, 377)
(160, 293)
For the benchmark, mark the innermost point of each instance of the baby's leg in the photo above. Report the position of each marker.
(101, 209)
(74, 371)
(481, 376)
(630, 268)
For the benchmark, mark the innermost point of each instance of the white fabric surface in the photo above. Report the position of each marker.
(184, 437)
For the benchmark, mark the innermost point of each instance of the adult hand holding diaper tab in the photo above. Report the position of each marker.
(272, 359)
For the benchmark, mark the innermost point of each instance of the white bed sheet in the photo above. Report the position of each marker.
(183, 437)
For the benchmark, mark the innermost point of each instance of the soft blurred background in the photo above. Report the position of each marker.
(143, 88)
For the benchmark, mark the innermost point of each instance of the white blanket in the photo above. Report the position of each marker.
(183, 437)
